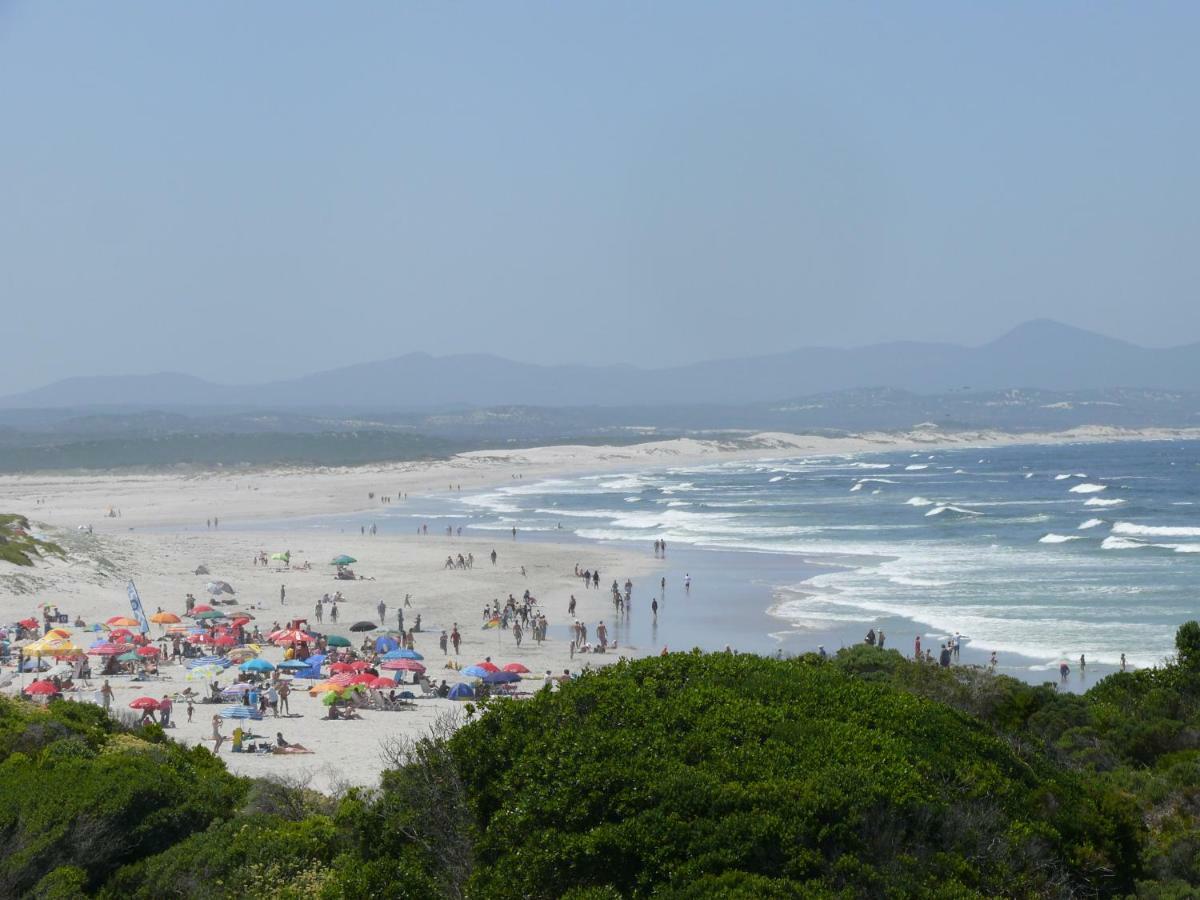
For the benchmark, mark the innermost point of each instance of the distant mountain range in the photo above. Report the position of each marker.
(1041, 354)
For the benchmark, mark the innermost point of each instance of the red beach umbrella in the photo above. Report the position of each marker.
(403, 665)
(144, 703)
(489, 666)
(341, 667)
(43, 688)
(28, 623)
(381, 684)
(147, 651)
(519, 668)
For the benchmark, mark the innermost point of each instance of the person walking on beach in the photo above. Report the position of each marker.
(571, 607)
(602, 635)
(191, 708)
(493, 557)
(106, 695)
(1063, 671)
(382, 608)
(283, 595)
(333, 613)
(320, 612)
(218, 738)
(165, 708)
(1082, 663)
(455, 638)
(687, 583)
(654, 608)
(443, 640)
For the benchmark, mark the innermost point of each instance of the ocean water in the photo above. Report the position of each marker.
(1044, 552)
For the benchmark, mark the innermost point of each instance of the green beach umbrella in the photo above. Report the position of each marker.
(343, 560)
(210, 614)
(336, 640)
(131, 656)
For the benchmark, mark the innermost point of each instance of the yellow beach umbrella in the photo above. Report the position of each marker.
(165, 618)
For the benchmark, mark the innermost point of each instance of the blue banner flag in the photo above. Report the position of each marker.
(136, 603)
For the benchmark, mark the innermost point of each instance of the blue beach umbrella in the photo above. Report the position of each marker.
(500, 677)
(293, 664)
(402, 654)
(475, 671)
(385, 644)
(257, 665)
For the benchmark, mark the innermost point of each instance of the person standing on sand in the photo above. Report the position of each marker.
(443, 640)
(283, 595)
(106, 694)
(1122, 662)
(571, 607)
(382, 609)
(191, 708)
(654, 608)
(320, 612)
(493, 557)
(881, 639)
(333, 613)
(455, 638)
(165, 708)
(218, 738)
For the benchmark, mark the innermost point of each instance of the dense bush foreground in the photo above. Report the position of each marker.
(683, 776)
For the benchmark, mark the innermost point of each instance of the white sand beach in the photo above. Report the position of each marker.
(155, 529)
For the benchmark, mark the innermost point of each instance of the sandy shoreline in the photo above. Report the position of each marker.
(161, 536)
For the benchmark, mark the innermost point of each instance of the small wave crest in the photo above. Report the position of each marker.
(1089, 488)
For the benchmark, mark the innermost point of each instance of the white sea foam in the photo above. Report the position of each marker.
(1090, 523)
(1129, 528)
(1089, 488)
(942, 510)
(918, 501)
(1053, 538)
(857, 487)
(1097, 501)
(777, 478)
(1120, 543)
(916, 468)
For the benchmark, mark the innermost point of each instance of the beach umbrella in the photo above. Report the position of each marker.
(203, 607)
(202, 638)
(336, 640)
(122, 622)
(128, 657)
(146, 652)
(104, 648)
(56, 634)
(210, 614)
(475, 671)
(225, 640)
(164, 618)
(35, 665)
(204, 673)
(330, 697)
(240, 620)
(241, 654)
(293, 664)
(385, 644)
(403, 665)
(359, 665)
(120, 634)
(58, 670)
(517, 667)
(41, 689)
(501, 677)
(363, 626)
(144, 703)
(28, 623)
(291, 636)
(282, 556)
(341, 667)
(219, 587)
(461, 692)
(488, 665)
(402, 654)
(363, 678)
(380, 683)
(342, 560)
(257, 665)
(238, 688)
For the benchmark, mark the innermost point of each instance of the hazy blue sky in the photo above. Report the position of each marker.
(250, 190)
